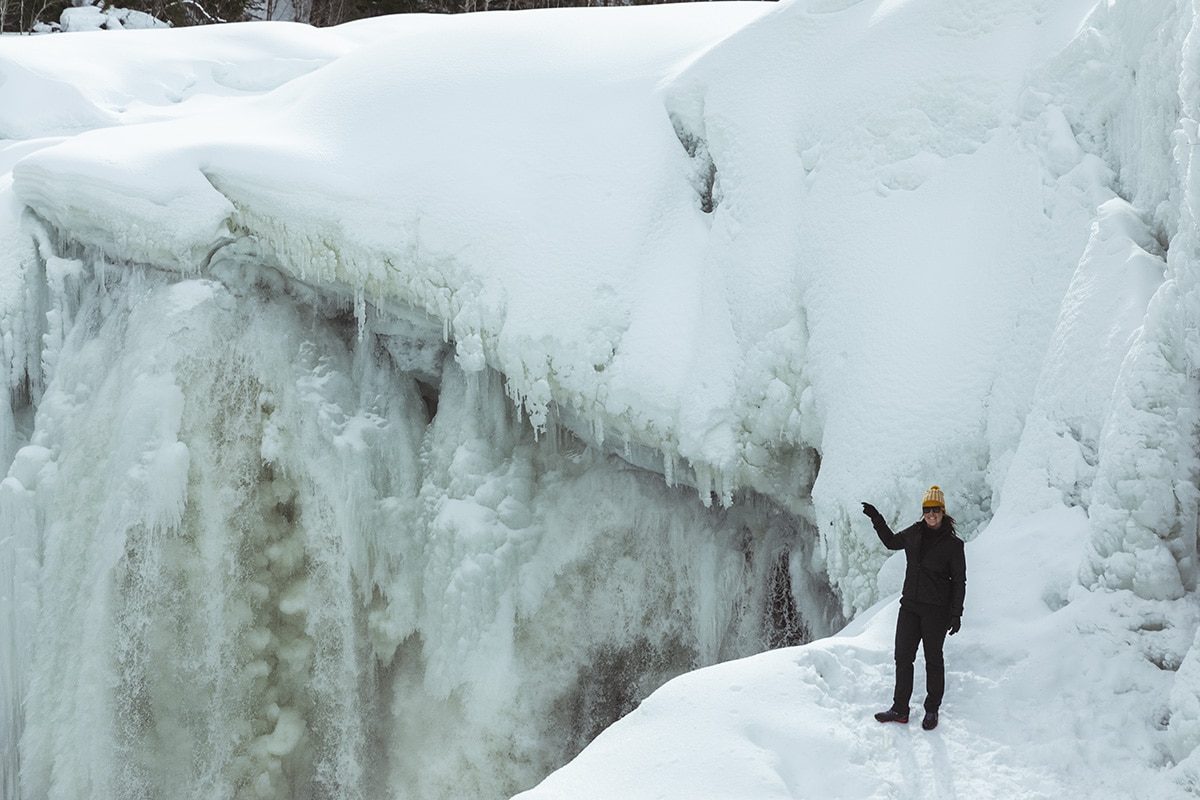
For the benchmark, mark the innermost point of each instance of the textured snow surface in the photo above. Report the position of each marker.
(459, 380)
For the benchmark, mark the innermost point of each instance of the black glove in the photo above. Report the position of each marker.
(871, 511)
(955, 624)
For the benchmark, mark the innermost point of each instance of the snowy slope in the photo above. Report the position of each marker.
(790, 256)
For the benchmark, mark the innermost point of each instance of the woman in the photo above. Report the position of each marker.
(935, 584)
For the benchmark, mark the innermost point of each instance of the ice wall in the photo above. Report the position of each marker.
(1114, 421)
(1136, 112)
(279, 551)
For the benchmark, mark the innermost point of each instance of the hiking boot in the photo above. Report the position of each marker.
(930, 721)
(892, 715)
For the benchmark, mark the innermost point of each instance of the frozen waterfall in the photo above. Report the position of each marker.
(279, 551)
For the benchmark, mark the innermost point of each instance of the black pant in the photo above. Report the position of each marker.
(923, 624)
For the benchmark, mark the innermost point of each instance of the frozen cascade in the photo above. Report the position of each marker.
(274, 559)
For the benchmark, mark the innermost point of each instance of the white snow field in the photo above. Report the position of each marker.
(479, 406)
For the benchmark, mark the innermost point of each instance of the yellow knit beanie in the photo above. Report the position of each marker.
(934, 497)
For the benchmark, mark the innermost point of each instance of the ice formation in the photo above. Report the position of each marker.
(276, 527)
(395, 406)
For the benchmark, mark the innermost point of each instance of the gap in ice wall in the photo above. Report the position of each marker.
(275, 550)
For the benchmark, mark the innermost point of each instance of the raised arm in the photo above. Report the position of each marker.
(890, 540)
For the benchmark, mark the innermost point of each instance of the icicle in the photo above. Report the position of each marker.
(473, 396)
(360, 311)
(724, 490)
(551, 434)
(704, 486)
(669, 469)
(514, 396)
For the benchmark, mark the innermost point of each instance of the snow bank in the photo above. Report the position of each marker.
(55, 85)
(92, 18)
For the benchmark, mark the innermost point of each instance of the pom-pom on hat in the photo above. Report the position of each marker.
(934, 498)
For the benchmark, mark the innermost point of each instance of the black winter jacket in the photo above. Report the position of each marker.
(937, 571)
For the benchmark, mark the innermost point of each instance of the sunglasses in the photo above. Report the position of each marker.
(933, 510)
